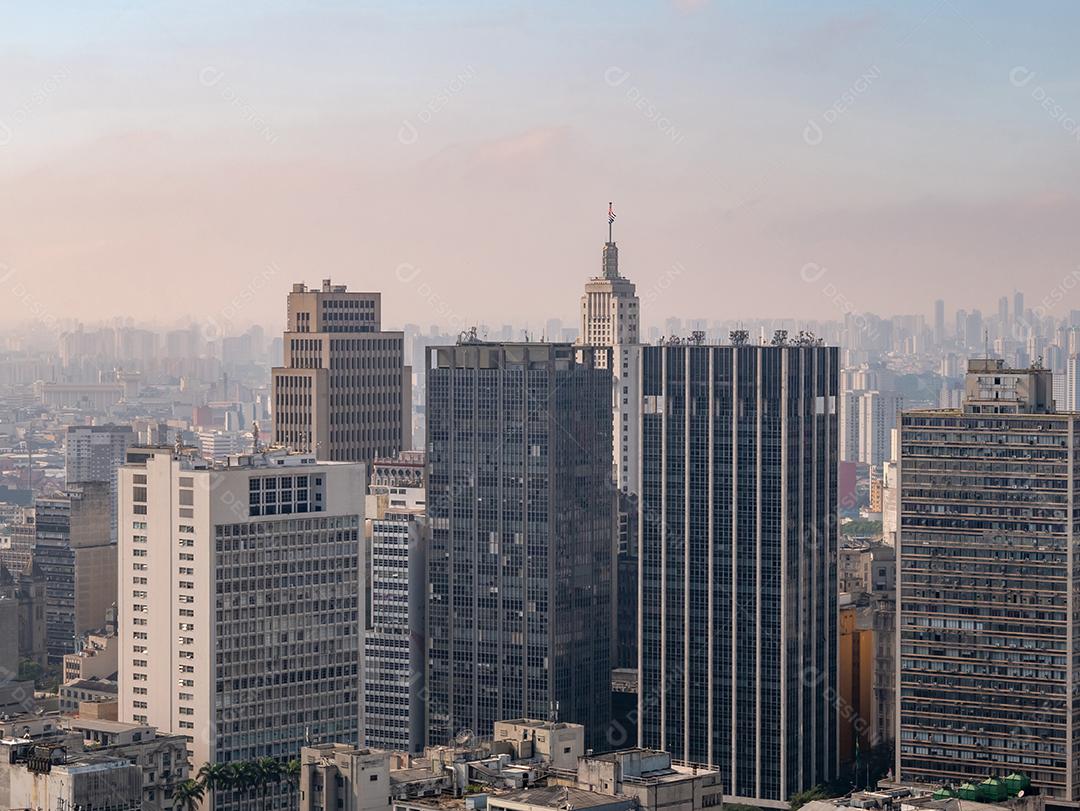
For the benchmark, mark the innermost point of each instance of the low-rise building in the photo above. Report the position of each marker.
(47, 776)
(86, 690)
(162, 759)
(97, 659)
(651, 780)
(527, 765)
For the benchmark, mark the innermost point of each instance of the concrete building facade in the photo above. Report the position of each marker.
(241, 606)
(394, 641)
(343, 392)
(987, 578)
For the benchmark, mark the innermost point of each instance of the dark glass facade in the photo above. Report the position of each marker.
(523, 532)
(738, 540)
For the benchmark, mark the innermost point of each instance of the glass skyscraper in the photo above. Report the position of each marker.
(738, 540)
(522, 556)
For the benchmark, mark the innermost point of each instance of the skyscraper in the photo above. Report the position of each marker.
(986, 624)
(92, 453)
(344, 392)
(738, 640)
(522, 556)
(939, 321)
(394, 640)
(609, 308)
(877, 418)
(241, 603)
(76, 558)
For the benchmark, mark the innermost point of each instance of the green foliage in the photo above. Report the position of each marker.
(861, 528)
(797, 801)
(248, 776)
(188, 795)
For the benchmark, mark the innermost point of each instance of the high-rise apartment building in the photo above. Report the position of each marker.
(738, 545)
(343, 392)
(394, 641)
(878, 412)
(76, 559)
(522, 556)
(92, 453)
(986, 618)
(241, 603)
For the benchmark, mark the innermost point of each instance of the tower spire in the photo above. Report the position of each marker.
(611, 253)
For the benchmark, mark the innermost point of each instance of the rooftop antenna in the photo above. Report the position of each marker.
(986, 343)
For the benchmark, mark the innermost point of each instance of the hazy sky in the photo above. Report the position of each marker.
(160, 159)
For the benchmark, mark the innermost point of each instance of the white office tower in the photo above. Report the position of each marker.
(877, 417)
(394, 641)
(610, 306)
(240, 603)
(1070, 397)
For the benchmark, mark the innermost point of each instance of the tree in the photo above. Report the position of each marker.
(291, 773)
(267, 771)
(797, 801)
(246, 776)
(188, 795)
(216, 777)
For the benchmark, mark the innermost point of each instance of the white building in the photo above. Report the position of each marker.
(394, 641)
(240, 602)
(877, 418)
(610, 306)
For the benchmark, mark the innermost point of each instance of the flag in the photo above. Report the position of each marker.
(610, 214)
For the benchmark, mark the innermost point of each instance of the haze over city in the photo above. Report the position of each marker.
(152, 149)
(518, 406)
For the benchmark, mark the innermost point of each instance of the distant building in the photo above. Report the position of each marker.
(609, 307)
(77, 560)
(986, 582)
(240, 617)
(343, 392)
(92, 453)
(522, 556)
(93, 689)
(97, 659)
(22, 619)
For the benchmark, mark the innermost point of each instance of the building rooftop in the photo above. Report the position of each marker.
(560, 797)
(98, 685)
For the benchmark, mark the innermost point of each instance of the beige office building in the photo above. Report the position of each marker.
(344, 392)
(240, 602)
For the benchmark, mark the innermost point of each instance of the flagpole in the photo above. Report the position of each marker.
(609, 205)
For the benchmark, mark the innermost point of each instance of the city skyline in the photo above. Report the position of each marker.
(736, 145)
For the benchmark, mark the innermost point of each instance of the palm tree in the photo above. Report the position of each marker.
(216, 777)
(188, 795)
(268, 771)
(291, 772)
(246, 776)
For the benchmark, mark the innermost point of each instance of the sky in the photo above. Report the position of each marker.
(166, 160)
